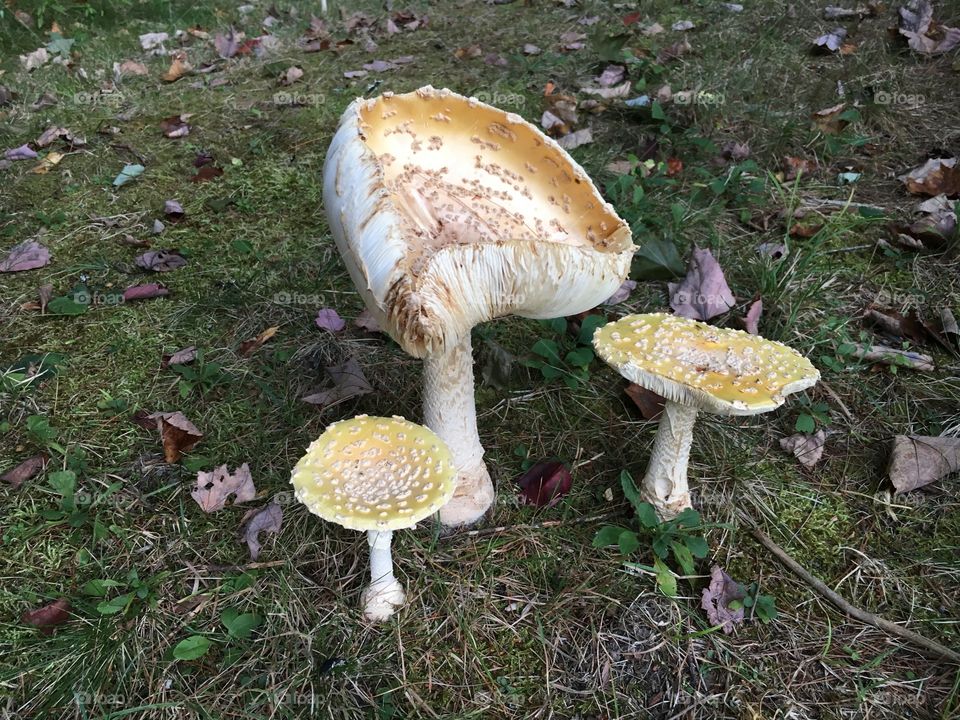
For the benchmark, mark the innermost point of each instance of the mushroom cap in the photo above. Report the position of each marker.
(449, 212)
(726, 372)
(375, 473)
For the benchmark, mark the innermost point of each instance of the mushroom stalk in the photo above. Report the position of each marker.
(665, 484)
(385, 593)
(449, 410)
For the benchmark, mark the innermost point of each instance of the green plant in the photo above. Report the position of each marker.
(563, 358)
(202, 376)
(138, 593)
(763, 607)
(42, 433)
(680, 538)
(813, 415)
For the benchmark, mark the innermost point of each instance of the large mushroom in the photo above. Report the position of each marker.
(376, 474)
(696, 366)
(448, 213)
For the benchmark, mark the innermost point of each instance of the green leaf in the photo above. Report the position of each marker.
(687, 518)
(129, 172)
(547, 349)
(550, 373)
(628, 542)
(607, 535)
(647, 515)
(696, 545)
(684, 558)
(191, 648)
(665, 579)
(240, 625)
(116, 605)
(588, 326)
(805, 424)
(630, 491)
(557, 325)
(64, 482)
(66, 305)
(765, 608)
(656, 111)
(59, 44)
(242, 246)
(657, 259)
(581, 357)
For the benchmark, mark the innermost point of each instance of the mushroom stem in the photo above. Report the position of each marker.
(384, 594)
(665, 484)
(449, 410)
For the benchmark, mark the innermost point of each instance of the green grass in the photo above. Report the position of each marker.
(530, 620)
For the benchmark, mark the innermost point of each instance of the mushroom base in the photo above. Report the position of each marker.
(385, 593)
(665, 484)
(449, 410)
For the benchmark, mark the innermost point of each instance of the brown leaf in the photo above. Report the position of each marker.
(56, 132)
(178, 68)
(132, 67)
(919, 460)
(717, 597)
(348, 382)
(703, 293)
(206, 173)
(793, 167)
(28, 255)
(366, 320)
(160, 260)
(180, 357)
(831, 41)
(48, 616)
(923, 34)
(178, 434)
(751, 320)
(145, 292)
(175, 126)
(545, 483)
(468, 52)
(290, 75)
(266, 519)
(24, 471)
(893, 356)
(937, 176)
(648, 402)
(808, 449)
(215, 488)
(675, 51)
(828, 120)
(255, 343)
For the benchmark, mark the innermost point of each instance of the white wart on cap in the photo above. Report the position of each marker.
(375, 473)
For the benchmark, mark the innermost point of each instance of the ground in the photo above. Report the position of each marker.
(526, 621)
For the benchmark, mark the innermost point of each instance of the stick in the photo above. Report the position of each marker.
(531, 526)
(931, 646)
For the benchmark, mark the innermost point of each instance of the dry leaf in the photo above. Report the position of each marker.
(923, 34)
(808, 449)
(207, 173)
(160, 260)
(291, 75)
(703, 293)
(621, 293)
(366, 320)
(215, 488)
(50, 161)
(576, 139)
(178, 434)
(28, 255)
(794, 167)
(130, 67)
(267, 519)
(918, 460)
(145, 291)
(751, 320)
(828, 120)
(893, 356)
(545, 483)
(832, 40)
(48, 616)
(348, 382)
(937, 176)
(175, 126)
(178, 68)
(255, 343)
(648, 402)
(180, 357)
(24, 471)
(717, 597)
(329, 319)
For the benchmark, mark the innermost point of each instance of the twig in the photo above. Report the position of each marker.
(833, 394)
(241, 568)
(931, 646)
(824, 202)
(483, 532)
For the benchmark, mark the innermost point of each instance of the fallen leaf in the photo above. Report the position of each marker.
(173, 210)
(621, 293)
(498, 364)
(923, 35)
(180, 357)
(647, 401)
(160, 260)
(794, 167)
(35, 59)
(351, 74)
(832, 40)
(576, 139)
(175, 126)
(56, 132)
(808, 449)
(572, 41)
(131, 67)
(751, 320)
(918, 460)
(385, 65)
(47, 163)
(674, 166)
(158, 227)
(215, 488)
(366, 320)
(28, 255)
(207, 173)
(267, 519)
(178, 434)
(545, 483)
(329, 319)
(531, 49)
(703, 293)
(609, 93)
(45, 292)
(128, 173)
(893, 356)
(717, 598)
(144, 292)
(247, 347)
(18, 475)
(654, 29)
(48, 616)
(682, 25)
(675, 51)
(735, 151)
(348, 382)
(612, 75)
(150, 41)
(467, 52)
(830, 121)
(774, 251)
(24, 152)
(178, 68)
(937, 176)
(290, 75)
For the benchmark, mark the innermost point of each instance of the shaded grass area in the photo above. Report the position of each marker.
(527, 622)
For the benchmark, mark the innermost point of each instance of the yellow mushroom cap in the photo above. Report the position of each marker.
(726, 372)
(375, 473)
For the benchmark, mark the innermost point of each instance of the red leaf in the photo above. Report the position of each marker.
(24, 471)
(144, 292)
(46, 617)
(545, 483)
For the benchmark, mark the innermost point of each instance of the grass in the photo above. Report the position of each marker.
(530, 621)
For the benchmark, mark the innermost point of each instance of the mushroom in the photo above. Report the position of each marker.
(448, 213)
(376, 474)
(696, 366)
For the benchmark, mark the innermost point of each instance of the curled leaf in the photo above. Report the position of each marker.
(722, 600)
(215, 488)
(266, 519)
(545, 483)
(48, 616)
